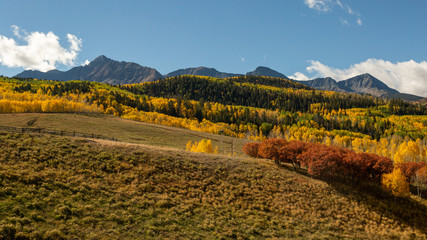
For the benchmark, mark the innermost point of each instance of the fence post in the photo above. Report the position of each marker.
(232, 146)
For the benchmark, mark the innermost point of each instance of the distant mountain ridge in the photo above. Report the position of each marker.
(327, 84)
(101, 69)
(106, 70)
(201, 71)
(367, 83)
(362, 84)
(265, 71)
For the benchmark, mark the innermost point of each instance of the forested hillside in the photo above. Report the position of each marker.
(246, 107)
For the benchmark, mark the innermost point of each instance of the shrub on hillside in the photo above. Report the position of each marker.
(251, 149)
(321, 160)
(270, 148)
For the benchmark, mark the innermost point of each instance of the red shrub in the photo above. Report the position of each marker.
(251, 149)
(327, 162)
(270, 148)
(290, 153)
(357, 165)
(321, 160)
(382, 165)
(367, 165)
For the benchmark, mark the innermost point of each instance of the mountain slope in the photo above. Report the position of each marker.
(102, 69)
(267, 72)
(327, 84)
(363, 84)
(403, 96)
(201, 71)
(367, 83)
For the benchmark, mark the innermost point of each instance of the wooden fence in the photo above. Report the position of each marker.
(54, 132)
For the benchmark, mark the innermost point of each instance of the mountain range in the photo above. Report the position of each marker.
(101, 69)
(106, 70)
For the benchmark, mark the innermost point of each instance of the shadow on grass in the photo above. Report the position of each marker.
(404, 210)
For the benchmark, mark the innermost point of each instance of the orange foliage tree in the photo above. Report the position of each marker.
(252, 149)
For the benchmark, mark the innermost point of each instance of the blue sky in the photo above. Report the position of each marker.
(300, 38)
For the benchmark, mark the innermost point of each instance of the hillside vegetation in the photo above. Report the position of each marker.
(249, 107)
(54, 187)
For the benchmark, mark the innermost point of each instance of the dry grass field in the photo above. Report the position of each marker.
(54, 187)
(123, 130)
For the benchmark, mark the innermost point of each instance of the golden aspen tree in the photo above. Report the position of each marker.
(205, 146)
(413, 151)
(188, 146)
(328, 141)
(395, 183)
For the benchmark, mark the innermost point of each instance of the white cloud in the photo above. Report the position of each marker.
(85, 63)
(406, 77)
(41, 51)
(299, 76)
(17, 31)
(319, 5)
(328, 6)
(242, 59)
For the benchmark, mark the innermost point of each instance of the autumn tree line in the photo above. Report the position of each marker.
(336, 163)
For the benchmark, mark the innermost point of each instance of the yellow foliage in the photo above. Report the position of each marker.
(395, 183)
(205, 146)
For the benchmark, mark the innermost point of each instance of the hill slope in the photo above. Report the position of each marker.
(101, 69)
(70, 188)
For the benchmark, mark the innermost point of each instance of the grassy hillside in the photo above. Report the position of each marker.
(121, 129)
(53, 187)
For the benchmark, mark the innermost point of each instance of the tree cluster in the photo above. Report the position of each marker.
(322, 161)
